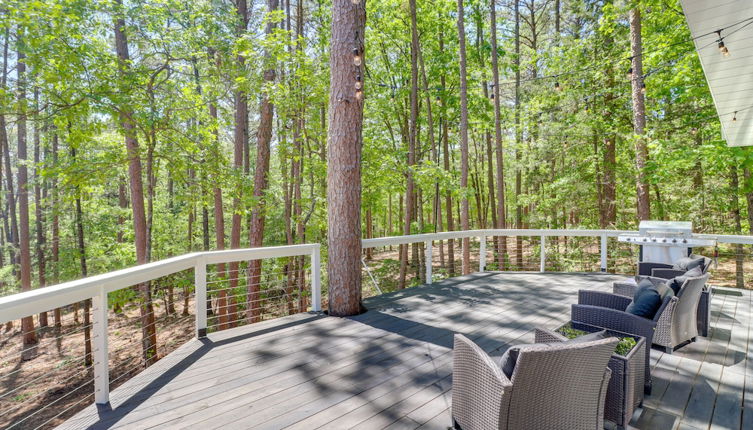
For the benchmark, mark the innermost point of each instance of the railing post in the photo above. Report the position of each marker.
(428, 258)
(542, 266)
(200, 284)
(101, 351)
(481, 253)
(316, 279)
(603, 252)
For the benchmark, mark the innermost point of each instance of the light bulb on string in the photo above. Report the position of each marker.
(693, 131)
(629, 73)
(734, 117)
(358, 85)
(356, 57)
(723, 49)
(557, 86)
(643, 88)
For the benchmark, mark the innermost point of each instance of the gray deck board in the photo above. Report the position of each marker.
(391, 367)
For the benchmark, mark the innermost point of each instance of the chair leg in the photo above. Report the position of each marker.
(455, 425)
(669, 350)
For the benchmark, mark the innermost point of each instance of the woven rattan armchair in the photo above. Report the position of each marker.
(552, 387)
(665, 271)
(678, 324)
(607, 310)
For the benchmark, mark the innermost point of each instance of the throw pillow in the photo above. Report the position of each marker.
(687, 263)
(646, 300)
(676, 282)
(510, 358)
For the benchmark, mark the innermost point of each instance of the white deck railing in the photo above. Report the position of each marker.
(33, 302)
(17, 306)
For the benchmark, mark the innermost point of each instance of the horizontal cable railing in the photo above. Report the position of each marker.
(94, 338)
(102, 330)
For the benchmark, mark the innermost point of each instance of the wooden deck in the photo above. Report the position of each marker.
(391, 367)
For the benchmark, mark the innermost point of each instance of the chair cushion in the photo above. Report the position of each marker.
(676, 282)
(687, 263)
(510, 358)
(648, 299)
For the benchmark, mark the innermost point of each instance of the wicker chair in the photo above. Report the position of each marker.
(665, 271)
(678, 324)
(552, 387)
(673, 324)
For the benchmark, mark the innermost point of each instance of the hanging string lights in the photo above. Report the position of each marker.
(357, 61)
(557, 87)
(734, 117)
(720, 42)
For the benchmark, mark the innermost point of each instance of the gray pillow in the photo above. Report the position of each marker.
(687, 263)
(510, 358)
(676, 283)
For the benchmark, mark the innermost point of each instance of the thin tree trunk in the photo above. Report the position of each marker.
(464, 221)
(27, 323)
(446, 162)
(344, 157)
(639, 115)
(261, 181)
(55, 248)
(228, 311)
(518, 145)
(149, 333)
(498, 148)
(735, 204)
(38, 205)
(81, 248)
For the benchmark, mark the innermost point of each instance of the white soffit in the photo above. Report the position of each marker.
(730, 78)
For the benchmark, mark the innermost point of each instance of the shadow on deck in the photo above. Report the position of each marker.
(391, 367)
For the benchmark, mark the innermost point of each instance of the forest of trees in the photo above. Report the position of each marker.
(135, 130)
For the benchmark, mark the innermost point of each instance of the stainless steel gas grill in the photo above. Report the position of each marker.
(665, 241)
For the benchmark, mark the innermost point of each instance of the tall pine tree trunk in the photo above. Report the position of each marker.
(38, 208)
(344, 156)
(464, 221)
(27, 323)
(261, 181)
(149, 332)
(498, 149)
(639, 115)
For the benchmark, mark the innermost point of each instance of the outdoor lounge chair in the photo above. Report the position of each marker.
(553, 387)
(666, 271)
(673, 324)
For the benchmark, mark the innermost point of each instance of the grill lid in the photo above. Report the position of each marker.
(666, 228)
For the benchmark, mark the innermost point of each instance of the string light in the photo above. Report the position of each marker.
(734, 117)
(643, 88)
(693, 131)
(557, 86)
(356, 57)
(722, 48)
(630, 73)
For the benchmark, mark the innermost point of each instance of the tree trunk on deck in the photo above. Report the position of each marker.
(344, 158)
